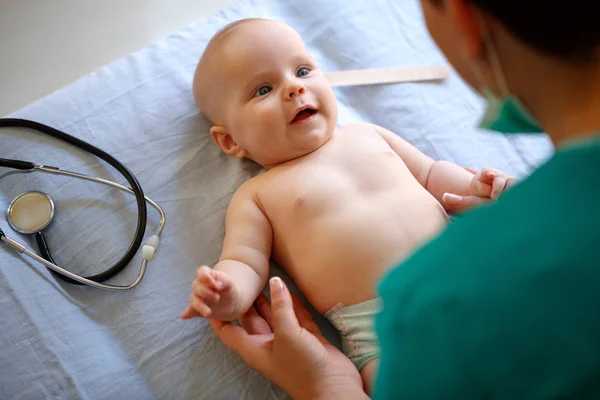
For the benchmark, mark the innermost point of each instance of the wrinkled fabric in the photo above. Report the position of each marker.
(356, 325)
(67, 342)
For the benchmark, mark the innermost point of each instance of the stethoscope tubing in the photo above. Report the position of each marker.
(23, 250)
(135, 190)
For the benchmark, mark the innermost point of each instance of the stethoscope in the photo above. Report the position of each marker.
(31, 212)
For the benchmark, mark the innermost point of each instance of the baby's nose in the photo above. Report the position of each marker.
(295, 91)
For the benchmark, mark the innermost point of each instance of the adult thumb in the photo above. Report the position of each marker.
(459, 204)
(284, 318)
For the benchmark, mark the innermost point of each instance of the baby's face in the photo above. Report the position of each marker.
(277, 105)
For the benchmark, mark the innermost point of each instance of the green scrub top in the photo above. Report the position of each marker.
(505, 303)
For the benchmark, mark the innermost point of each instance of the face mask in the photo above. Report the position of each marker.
(508, 114)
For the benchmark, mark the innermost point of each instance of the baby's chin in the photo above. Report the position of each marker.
(311, 144)
(285, 158)
(300, 147)
(315, 139)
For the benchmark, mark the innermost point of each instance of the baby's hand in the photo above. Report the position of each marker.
(490, 183)
(214, 295)
(487, 184)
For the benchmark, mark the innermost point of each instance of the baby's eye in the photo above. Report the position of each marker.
(261, 91)
(302, 72)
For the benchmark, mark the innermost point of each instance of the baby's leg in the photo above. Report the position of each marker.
(368, 374)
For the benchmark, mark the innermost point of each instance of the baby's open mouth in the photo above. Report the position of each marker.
(303, 115)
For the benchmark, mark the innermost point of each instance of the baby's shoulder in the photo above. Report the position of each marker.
(251, 186)
(247, 193)
(256, 191)
(256, 185)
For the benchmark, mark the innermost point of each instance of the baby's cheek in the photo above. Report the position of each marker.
(274, 121)
(328, 102)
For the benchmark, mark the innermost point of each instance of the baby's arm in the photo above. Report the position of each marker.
(230, 288)
(438, 177)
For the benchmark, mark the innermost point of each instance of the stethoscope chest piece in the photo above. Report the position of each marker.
(30, 212)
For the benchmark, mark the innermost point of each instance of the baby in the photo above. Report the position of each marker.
(335, 208)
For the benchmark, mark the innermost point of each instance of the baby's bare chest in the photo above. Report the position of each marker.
(349, 211)
(346, 172)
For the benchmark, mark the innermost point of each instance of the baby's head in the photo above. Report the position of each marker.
(263, 94)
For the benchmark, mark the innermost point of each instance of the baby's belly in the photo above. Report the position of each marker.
(340, 256)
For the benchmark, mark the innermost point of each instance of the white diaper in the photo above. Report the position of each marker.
(356, 326)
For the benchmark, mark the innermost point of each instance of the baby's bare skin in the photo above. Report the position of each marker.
(336, 207)
(342, 215)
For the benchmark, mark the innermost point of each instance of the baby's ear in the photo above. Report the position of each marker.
(226, 142)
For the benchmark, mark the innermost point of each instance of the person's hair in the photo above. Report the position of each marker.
(569, 30)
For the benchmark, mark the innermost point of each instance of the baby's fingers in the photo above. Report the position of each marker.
(189, 313)
(222, 281)
(487, 175)
(479, 187)
(206, 275)
(200, 289)
(199, 305)
(218, 281)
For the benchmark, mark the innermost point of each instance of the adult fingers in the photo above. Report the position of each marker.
(498, 186)
(284, 319)
(254, 350)
(511, 182)
(459, 204)
(305, 319)
(263, 307)
(301, 312)
(253, 323)
(232, 336)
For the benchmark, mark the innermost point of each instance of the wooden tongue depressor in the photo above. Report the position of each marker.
(388, 75)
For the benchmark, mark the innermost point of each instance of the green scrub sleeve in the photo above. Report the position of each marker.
(505, 303)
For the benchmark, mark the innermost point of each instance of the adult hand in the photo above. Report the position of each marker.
(282, 341)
